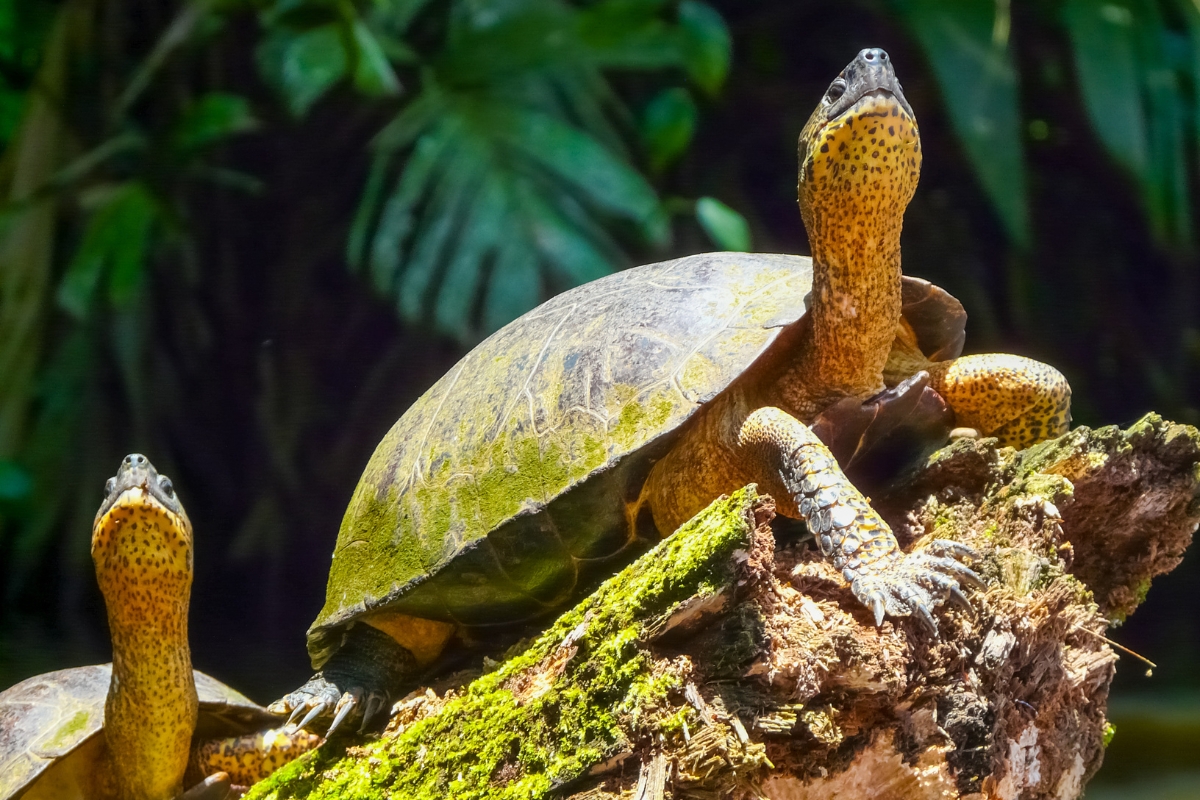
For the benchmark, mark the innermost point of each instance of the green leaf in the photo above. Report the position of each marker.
(397, 14)
(727, 228)
(214, 117)
(15, 482)
(303, 66)
(629, 34)
(442, 218)
(373, 74)
(115, 241)
(1135, 103)
(668, 125)
(577, 159)
(1105, 50)
(708, 47)
(398, 218)
(974, 69)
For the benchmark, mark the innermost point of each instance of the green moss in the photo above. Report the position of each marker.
(1110, 731)
(525, 741)
(69, 729)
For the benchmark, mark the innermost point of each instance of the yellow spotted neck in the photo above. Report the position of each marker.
(857, 175)
(143, 557)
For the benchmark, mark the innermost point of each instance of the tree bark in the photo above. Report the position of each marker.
(731, 661)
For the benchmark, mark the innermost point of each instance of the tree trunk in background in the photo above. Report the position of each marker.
(725, 664)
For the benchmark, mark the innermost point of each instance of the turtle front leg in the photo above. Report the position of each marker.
(357, 682)
(1016, 399)
(792, 463)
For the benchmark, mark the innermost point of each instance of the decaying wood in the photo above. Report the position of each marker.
(730, 662)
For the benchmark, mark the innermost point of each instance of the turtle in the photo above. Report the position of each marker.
(129, 729)
(623, 407)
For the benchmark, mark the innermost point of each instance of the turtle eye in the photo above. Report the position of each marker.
(110, 486)
(836, 90)
(168, 488)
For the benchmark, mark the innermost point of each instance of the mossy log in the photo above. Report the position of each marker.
(731, 662)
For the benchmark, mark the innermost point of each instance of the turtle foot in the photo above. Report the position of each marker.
(320, 701)
(354, 685)
(917, 583)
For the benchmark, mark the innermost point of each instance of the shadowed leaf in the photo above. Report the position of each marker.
(668, 124)
(726, 227)
(967, 44)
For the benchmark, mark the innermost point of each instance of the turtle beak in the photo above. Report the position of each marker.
(870, 74)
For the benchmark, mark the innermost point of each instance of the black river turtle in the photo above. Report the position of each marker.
(128, 732)
(630, 403)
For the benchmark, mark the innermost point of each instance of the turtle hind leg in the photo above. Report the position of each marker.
(1016, 399)
(354, 685)
(801, 472)
(244, 760)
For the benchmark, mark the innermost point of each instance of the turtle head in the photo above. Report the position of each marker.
(860, 150)
(141, 531)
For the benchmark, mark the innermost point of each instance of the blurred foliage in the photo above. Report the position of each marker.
(183, 186)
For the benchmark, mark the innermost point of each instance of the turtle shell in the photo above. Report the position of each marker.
(48, 718)
(512, 476)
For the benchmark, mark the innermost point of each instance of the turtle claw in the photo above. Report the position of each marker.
(878, 607)
(296, 712)
(316, 711)
(376, 701)
(927, 619)
(960, 601)
(348, 704)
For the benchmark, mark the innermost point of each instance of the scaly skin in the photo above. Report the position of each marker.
(142, 550)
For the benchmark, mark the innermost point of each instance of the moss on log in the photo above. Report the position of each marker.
(723, 664)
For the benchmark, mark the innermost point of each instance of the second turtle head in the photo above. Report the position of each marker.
(141, 534)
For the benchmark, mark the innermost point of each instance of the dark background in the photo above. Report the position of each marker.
(238, 350)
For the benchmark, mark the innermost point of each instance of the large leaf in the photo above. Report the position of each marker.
(506, 172)
(576, 158)
(708, 47)
(967, 45)
(492, 183)
(1135, 102)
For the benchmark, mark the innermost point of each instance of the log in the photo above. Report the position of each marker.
(731, 661)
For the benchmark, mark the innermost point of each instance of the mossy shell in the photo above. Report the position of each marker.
(53, 721)
(512, 477)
